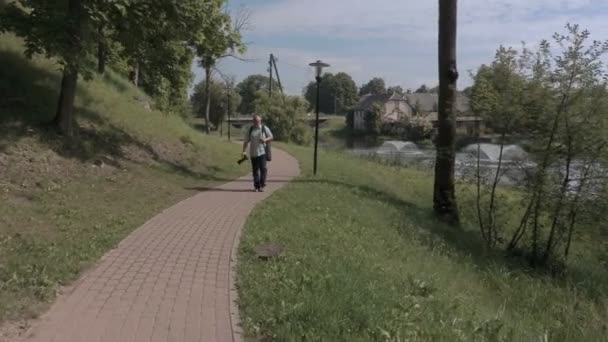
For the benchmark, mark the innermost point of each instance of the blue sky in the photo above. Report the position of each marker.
(395, 39)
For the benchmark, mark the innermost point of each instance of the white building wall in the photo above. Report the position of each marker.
(359, 120)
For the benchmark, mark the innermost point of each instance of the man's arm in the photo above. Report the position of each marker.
(245, 143)
(269, 136)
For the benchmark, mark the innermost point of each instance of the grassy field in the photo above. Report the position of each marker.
(65, 203)
(366, 261)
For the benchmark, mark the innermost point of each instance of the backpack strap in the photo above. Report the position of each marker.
(264, 131)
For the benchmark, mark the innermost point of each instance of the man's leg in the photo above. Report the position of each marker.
(255, 166)
(263, 171)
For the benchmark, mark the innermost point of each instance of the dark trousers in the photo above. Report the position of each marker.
(258, 165)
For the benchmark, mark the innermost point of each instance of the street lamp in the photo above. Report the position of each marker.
(318, 65)
(229, 93)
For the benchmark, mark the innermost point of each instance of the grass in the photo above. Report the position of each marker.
(366, 261)
(333, 133)
(66, 202)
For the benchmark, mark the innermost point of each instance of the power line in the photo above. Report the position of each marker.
(297, 66)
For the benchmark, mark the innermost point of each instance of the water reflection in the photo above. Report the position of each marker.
(517, 167)
(515, 163)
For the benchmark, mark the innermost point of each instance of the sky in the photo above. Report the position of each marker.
(394, 39)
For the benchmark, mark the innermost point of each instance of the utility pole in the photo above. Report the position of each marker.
(222, 126)
(270, 61)
(276, 71)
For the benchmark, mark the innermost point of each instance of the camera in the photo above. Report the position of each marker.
(243, 159)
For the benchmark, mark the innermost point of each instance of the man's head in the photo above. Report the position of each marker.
(257, 119)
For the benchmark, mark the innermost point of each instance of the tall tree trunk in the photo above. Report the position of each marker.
(207, 97)
(444, 199)
(102, 52)
(64, 116)
(134, 74)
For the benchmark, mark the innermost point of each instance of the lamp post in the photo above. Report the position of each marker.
(318, 65)
(229, 109)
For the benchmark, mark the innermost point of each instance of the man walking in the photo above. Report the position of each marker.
(258, 138)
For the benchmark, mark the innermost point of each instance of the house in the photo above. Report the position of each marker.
(394, 106)
(469, 125)
(466, 122)
(397, 108)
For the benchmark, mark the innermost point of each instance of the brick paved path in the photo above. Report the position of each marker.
(170, 280)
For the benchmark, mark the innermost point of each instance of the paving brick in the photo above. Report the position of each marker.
(172, 279)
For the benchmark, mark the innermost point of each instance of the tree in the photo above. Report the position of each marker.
(375, 86)
(373, 119)
(218, 101)
(396, 90)
(248, 89)
(64, 29)
(557, 96)
(497, 96)
(327, 100)
(151, 36)
(444, 196)
(285, 117)
(219, 40)
(338, 93)
(344, 90)
(422, 89)
(155, 40)
(498, 92)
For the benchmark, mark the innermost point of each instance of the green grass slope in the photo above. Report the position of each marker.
(366, 261)
(64, 203)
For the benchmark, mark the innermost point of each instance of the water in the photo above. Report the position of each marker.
(395, 146)
(515, 164)
(491, 152)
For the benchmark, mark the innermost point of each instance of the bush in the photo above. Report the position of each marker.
(373, 120)
(300, 134)
(283, 116)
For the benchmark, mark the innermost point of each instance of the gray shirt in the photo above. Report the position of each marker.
(256, 146)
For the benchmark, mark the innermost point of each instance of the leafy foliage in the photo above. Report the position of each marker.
(558, 101)
(375, 86)
(373, 119)
(425, 89)
(338, 93)
(150, 40)
(248, 90)
(219, 106)
(284, 116)
(396, 90)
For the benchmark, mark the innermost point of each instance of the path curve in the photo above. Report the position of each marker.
(172, 279)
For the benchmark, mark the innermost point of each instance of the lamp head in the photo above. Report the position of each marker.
(319, 65)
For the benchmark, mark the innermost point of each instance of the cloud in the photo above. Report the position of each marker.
(397, 39)
(417, 21)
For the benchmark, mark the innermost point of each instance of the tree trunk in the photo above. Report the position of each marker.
(64, 116)
(208, 98)
(444, 199)
(134, 74)
(102, 52)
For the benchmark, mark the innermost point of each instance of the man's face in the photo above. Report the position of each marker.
(257, 120)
